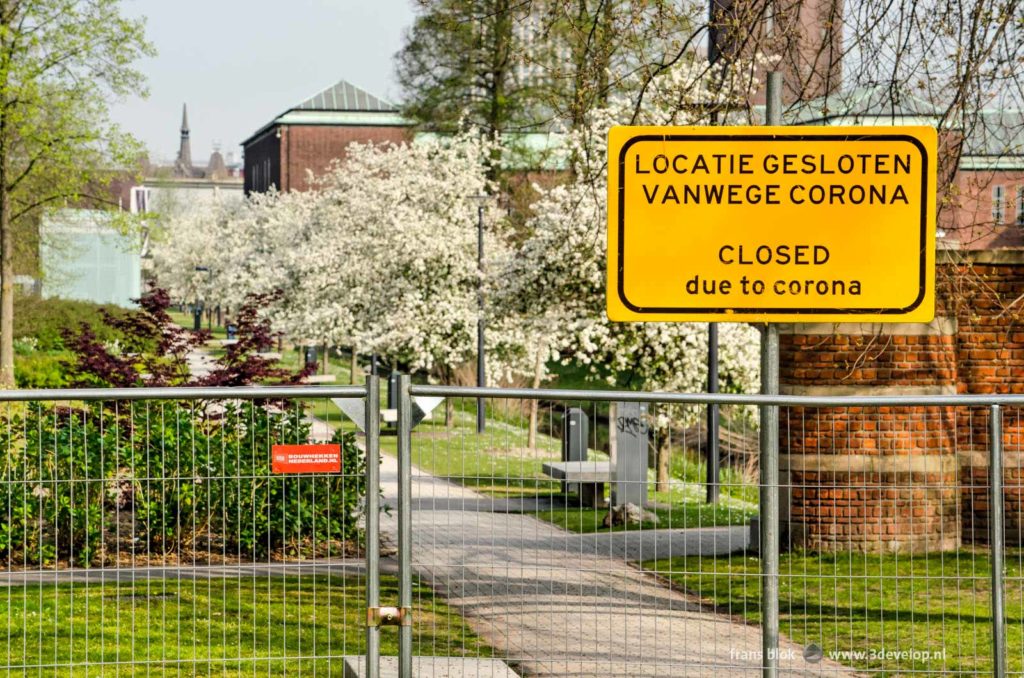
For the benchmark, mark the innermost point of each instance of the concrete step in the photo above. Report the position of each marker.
(433, 667)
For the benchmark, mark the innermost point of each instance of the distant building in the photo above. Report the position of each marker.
(183, 186)
(216, 168)
(313, 133)
(805, 37)
(985, 208)
(84, 256)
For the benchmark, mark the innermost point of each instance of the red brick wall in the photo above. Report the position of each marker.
(817, 360)
(880, 479)
(290, 150)
(990, 355)
(990, 341)
(911, 511)
(908, 479)
(313, 147)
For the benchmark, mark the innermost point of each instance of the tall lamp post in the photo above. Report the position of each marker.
(481, 376)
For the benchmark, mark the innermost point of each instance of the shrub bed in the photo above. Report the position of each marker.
(90, 483)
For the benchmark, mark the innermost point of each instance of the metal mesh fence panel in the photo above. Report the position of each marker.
(605, 558)
(150, 537)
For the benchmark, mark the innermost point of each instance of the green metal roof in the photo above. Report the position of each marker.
(875, 102)
(344, 96)
(341, 104)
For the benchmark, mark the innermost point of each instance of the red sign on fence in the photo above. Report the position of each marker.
(306, 458)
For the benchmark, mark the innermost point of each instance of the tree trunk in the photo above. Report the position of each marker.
(6, 277)
(499, 48)
(663, 463)
(352, 365)
(327, 351)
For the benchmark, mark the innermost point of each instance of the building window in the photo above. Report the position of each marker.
(1020, 205)
(139, 200)
(998, 200)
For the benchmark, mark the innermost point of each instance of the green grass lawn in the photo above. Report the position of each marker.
(212, 627)
(888, 613)
(689, 473)
(187, 320)
(337, 365)
(498, 464)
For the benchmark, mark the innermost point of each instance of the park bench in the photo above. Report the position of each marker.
(590, 476)
(627, 474)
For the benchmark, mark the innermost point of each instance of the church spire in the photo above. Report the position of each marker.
(183, 166)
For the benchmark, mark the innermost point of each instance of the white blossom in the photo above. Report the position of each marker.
(559, 271)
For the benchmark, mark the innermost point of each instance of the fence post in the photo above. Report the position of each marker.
(405, 526)
(372, 428)
(995, 526)
(769, 508)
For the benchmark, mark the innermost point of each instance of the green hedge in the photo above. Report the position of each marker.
(81, 483)
(41, 369)
(45, 320)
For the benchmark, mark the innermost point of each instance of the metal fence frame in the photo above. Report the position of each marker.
(769, 500)
(400, 614)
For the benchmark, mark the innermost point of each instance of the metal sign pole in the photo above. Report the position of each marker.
(481, 362)
(712, 447)
(769, 440)
(996, 536)
(711, 485)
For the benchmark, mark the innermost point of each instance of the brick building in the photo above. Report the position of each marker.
(309, 136)
(806, 35)
(915, 479)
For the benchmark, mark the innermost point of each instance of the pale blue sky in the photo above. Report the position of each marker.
(239, 63)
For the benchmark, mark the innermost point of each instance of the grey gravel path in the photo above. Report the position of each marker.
(555, 603)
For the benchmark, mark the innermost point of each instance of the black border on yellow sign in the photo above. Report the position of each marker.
(922, 269)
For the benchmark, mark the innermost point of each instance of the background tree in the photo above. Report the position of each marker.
(459, 64)
(61, 62)
(596, 48)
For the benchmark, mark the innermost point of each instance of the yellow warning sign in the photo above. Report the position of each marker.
(771, 224)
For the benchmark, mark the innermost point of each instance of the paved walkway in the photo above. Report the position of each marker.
(554, 603)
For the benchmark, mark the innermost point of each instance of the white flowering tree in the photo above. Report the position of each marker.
(558, 274)
(231, 252)
(393, 254)
(381, 255)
